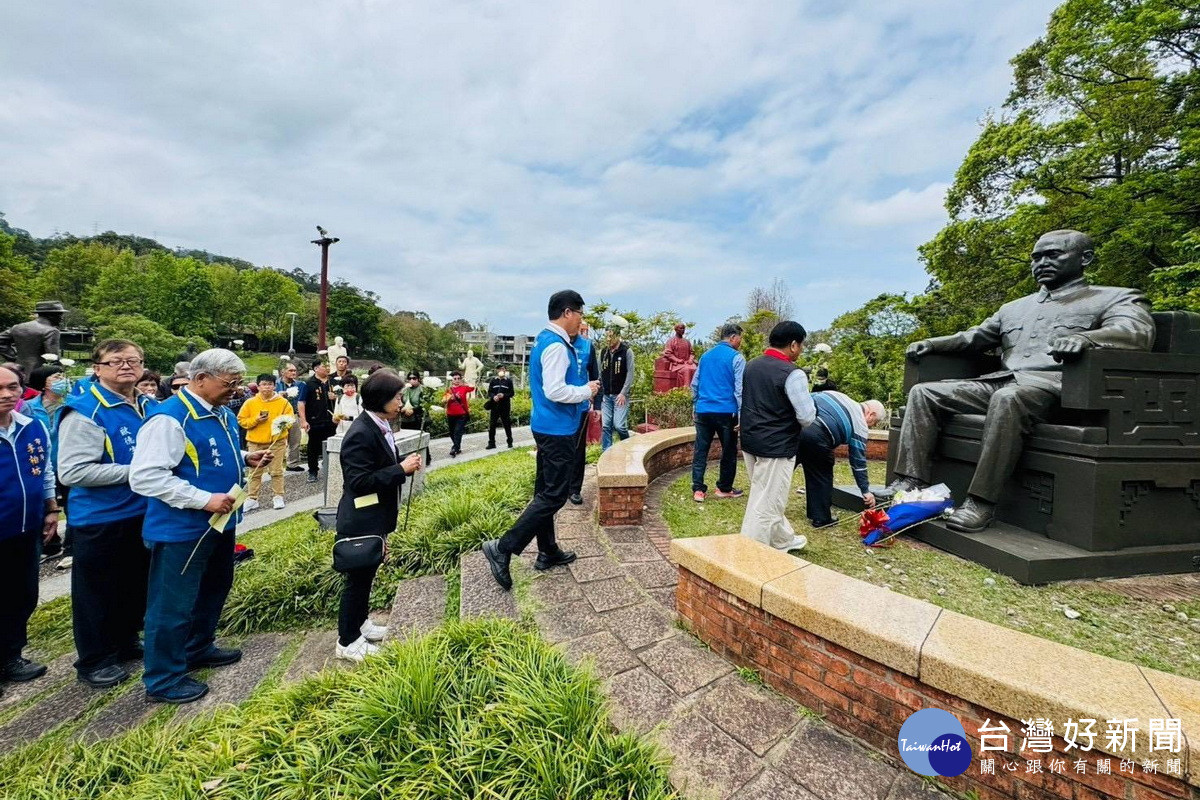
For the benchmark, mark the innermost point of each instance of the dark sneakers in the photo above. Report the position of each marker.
(498, 561)
(19, 670)
(104, 677)
(186, 691)
(576, 498)
(560, 559)
(216, 657)
(490, 446)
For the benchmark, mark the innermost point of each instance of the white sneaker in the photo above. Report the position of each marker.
(357, 650)
(250, 505)
(64, 563)
(372, 632)
(797, 543)
(278, 502)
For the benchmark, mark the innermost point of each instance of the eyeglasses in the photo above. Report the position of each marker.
(121, 362)
(229, 384)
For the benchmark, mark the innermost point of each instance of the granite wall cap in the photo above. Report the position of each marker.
(877, 623)
(624, 464)
(1181, 696)
(735, 563)
(1023, 677)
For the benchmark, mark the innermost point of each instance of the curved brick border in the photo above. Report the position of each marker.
(867, 658)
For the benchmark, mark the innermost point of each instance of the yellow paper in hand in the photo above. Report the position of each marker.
(218, 521)
(366, 500)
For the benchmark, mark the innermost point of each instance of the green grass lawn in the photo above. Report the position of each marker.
(475, 709)
(1111, 624)
(258, 363)
(290, 583)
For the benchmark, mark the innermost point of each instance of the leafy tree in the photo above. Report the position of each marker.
(1100, 133)
(70, 273)
(421, 343)
(267, 296)
(459, 326)
(868, 348)
(356, 316)
(160, 344)
(16, 303)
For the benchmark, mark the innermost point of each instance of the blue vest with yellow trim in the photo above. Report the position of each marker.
(583, 346)
(120, 421)
(22, 462)
(212, 461)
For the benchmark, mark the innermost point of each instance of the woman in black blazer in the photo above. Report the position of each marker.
(370, 503)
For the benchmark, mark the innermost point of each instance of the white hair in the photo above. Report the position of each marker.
(216, 361)
(876, 407)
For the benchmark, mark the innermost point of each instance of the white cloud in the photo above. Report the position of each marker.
(475, 155)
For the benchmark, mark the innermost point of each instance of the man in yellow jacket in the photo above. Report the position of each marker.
(257, 416)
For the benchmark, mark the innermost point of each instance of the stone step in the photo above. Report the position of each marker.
(234, 683)
(480, 595)
(67, 703)
(419, 607)
(316, 653)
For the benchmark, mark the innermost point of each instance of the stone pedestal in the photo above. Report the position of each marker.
(406, 442)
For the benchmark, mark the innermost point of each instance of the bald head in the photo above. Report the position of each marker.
(1060, 257)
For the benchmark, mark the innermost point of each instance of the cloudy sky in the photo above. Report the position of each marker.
(476, 156)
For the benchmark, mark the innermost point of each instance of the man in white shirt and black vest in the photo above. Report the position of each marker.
(776, 407)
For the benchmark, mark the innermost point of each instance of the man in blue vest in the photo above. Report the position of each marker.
(186, 463)
(558, 385)
(717, 398)
(587, 354)
(28, 516)
(97, 434)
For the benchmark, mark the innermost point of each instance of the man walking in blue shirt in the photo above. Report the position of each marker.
(558, 384)
(717, 397)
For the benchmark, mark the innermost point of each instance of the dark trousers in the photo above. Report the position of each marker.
(580, 462)
(500, 415)
(555, 467)
(182, 610)
(815, 456)
(108, 590)
(1010, 412)
(19, 557)
(356, 602)
(316, 447)
(722, 426)
(457, 426)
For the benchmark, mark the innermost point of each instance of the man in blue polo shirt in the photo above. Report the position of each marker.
(558, 385)
(717, 398)
(186, 462)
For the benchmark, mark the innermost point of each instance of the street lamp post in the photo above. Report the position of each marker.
(324, 243)
(292, 335)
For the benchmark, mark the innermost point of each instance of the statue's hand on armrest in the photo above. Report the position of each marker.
(918, 350)
(1068, 348)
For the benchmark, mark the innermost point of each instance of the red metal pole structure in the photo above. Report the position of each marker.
(324, 243)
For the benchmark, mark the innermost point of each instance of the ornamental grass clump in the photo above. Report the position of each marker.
(475, 709)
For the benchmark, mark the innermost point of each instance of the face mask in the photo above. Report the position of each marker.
(61, 387)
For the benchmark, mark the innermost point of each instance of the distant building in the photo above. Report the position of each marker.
(513, 350)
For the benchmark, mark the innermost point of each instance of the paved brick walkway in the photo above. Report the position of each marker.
(728, 736)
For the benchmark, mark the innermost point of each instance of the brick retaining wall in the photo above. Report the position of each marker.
(871, 701)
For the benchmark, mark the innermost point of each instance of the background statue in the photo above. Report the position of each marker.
(1035, 335)
(337, 349)
(470, 367)
(25, 342)
(676, 366)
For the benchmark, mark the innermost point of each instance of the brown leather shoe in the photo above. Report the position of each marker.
(973, 516)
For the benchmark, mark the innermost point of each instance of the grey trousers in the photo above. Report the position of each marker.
(1010, 412)
(293, 445)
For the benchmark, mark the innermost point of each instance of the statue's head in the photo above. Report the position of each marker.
(52, 310)
(339, 340)
(1060, 257)
(680, 329)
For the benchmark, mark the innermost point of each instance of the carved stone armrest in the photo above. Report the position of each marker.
(1149, 398)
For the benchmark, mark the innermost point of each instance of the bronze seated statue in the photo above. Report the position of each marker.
(1074, 452)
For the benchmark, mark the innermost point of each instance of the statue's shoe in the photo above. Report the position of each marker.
(901, 484)
(974, 516)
